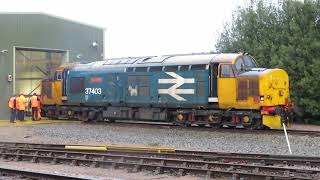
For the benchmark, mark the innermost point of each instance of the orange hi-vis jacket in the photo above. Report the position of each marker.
(21, 103)
(34, 101)
(11, 102)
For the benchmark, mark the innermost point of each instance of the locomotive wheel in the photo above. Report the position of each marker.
(52, 115)
(248, 123)
(180, 120)
(84, 116)
(98, 117)
(246, 119)
(70, 114)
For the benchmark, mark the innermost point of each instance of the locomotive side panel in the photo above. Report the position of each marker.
(138, 88)
(182, 88)
(94, 88)
(166, 89)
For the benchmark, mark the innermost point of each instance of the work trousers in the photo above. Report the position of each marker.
(21, 115)
(13, 114)
(34, 111)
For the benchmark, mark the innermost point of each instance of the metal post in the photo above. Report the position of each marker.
(285, 132)
(14, 71)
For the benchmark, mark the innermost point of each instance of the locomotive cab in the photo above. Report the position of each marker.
(52, 88)
(243, 86)
(233, 91)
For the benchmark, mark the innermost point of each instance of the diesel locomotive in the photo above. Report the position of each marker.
(203, 89)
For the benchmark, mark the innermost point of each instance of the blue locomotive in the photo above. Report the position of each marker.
(202, 89)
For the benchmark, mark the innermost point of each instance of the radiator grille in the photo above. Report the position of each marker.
(246, 88)
(46, 88)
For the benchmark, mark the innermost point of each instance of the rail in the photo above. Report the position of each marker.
(17, 173)
(179, 162)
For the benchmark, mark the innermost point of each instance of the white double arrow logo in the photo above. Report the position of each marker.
(178, 81)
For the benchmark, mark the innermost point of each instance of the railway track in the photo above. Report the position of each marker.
(11, 173)
(209, 129)
(179, 162)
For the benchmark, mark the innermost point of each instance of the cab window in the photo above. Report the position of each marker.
(226, 71)
(244, 63)
(249, 62)
(58, 75)
(239, 64)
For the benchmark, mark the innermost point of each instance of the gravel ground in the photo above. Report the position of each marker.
(308, 127)
(93, 134)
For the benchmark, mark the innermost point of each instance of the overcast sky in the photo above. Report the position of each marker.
(142, 27)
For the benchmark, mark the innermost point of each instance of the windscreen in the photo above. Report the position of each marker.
(244, 63)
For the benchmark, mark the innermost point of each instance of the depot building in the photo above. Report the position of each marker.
(33, 45)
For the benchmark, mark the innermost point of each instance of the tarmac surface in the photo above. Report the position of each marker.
(30, 122)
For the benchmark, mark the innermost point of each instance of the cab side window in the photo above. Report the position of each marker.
(226, 71)
(249, 62)
(58, 75)
(239, 64)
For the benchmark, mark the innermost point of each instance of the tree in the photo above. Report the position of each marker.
(284, 35)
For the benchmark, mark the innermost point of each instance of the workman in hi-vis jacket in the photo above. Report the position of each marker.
(20, 106)
(34, 104)
(39, 111)
(12, 106)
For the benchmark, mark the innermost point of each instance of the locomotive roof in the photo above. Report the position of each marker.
(165, 60)
(174, 59)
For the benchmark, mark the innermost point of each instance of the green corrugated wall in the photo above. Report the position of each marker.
(43, 31)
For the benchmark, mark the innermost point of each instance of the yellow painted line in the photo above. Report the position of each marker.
(105, 148)
(141, 148)
(29, 122)
(100, 148)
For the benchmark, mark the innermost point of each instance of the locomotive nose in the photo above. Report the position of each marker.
(274, 87)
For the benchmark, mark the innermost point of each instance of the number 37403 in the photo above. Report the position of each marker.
(92, 91)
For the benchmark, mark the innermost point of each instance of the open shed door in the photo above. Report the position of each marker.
(32, 65)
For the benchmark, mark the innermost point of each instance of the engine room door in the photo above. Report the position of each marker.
(213, 80)
(226, 86)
